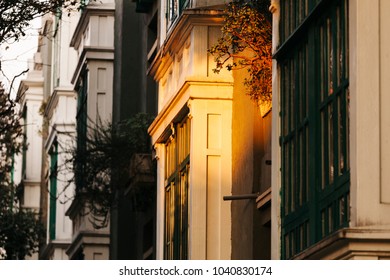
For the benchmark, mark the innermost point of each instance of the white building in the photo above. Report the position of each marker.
(210, 142)
(60, 114)
(93, 40)
(30, 96)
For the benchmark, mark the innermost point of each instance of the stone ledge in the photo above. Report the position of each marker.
(351, 243)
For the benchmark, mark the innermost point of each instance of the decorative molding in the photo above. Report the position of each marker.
(350, 243)
(178, 37)
(101, 9)
(184, 93)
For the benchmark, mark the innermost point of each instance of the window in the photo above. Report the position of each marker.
(57, 48)
(81, 120)
(174, 9)
(53, 191)
(177, 168)
(314, 139)
(152, 41)
(25, 144)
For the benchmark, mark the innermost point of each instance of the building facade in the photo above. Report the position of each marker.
(133, 223)
(93, 40)
(59, 111)
(330, 58)
(210, 142)
(320, 155)
(27, 173)
(74, 86)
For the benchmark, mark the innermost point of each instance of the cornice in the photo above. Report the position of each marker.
(184, 93)
(85, 238)
(344, 244)
(58, 129)
(48, 250)
(179, 33)
(92, 53)
(101, 10)
(53, 99)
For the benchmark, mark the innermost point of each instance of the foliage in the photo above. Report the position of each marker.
(20, 230)
(102, 166)
(10, 132)
(20, 233)
(16, 15)
(246, 42)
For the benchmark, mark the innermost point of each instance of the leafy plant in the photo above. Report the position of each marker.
(20, 229)
(20, 233)
(246, 42)
(102, 166)
(17, 15)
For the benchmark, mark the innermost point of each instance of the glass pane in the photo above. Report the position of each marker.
(286, 99)
(341, 135)
(292, 16)
(169, 221)
(329, 55)
(293, 13)
(293, 175)
(287, 245)
(345, 36)
(302, 166)
(330, 143)
(323, 150)
(301, 87)
(340, 50)
(183, 214)
(307, 239)
(287, 178)
(172, 10)
(342, 212)
(322, 62)
(292, 242)
(330, 219)
(307, 163)
(285, 19)
(301, 237)
(292, 111)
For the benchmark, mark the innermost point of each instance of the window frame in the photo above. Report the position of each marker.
(82, 127)
(176, 186)
(172, 15)
(53, 190)
(311, 210)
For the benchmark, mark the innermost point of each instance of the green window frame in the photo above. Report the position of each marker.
(177, 169)
(53, 190)
(314, 140)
